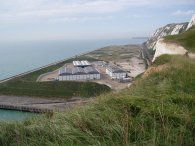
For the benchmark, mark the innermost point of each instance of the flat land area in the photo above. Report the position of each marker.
(116, 53)
(126, 57)
(106, 80)
(38, 90)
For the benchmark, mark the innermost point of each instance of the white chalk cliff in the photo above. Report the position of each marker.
(192, 22)
(169, 29)
(157, 43)
(163, 47)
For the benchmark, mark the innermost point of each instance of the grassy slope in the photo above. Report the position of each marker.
(157, 110)
(186, 39)
(27, 86)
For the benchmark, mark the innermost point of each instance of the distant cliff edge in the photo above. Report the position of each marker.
(159, 46)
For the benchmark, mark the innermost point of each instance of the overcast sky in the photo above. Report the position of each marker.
(32, 20)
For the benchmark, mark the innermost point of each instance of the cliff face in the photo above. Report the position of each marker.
(163, 47)
(156, 42)
(170, 29)
(191, 23)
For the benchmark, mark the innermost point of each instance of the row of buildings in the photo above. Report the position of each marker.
(78, 73)
(83, 70)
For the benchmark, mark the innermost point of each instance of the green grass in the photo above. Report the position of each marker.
(163, 59)
(186, 39)
(157, 110)
(113, 53)
(54, 89)
(27, 86)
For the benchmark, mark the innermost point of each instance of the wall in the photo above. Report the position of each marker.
(79, 77)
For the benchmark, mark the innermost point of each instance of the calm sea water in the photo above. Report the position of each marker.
(10, 115)
(19, 57)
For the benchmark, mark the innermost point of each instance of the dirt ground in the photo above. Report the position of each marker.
(134, 66)
(106, 80)
(49, 76)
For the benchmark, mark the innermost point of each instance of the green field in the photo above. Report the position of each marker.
(27, 86)
(186, 39)
(157, 110)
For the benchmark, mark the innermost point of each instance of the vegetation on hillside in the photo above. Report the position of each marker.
(26, 85)
(157, 110)
(186, 39)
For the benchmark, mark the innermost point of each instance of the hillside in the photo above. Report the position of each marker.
(158, 109)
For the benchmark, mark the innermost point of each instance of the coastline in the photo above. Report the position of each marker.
(29, 56)
(42, 67)
(54, 63)
(51, 104)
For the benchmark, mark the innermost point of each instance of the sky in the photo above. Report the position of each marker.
(37, 20)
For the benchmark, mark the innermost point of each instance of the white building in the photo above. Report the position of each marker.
(115, 72)
(78, 73)
(83, 63)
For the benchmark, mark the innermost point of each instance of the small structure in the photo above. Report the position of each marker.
(82, 64)
(115, 72)
(78, 73)
(125, 80)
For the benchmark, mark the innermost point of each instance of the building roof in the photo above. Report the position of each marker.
(82, 63)
(77, 63)
(78, 71)
(115, 69)
(90, 70)
(100, 63)
(65, 71)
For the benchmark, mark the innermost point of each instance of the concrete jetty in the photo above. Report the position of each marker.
(38, 104)
(25, 109)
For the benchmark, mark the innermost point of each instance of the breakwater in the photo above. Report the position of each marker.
(25, 109)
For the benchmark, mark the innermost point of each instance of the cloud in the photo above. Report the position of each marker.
(18, 10)
(70, 10)
(183, 13)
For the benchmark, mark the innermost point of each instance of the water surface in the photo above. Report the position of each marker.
(11, 115)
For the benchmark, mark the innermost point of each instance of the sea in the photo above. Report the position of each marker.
(19, 57)
(11, 115)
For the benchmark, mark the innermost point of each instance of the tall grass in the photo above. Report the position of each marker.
(157, 110)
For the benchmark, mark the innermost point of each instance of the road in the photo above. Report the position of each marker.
(146, 55)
